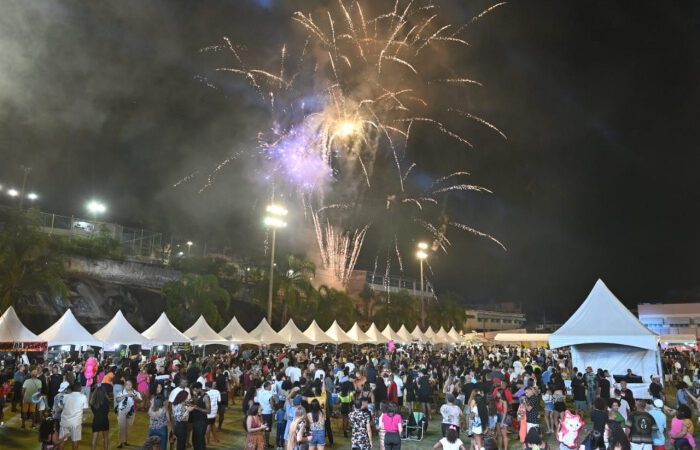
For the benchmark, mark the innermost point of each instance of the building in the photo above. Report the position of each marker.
(670, 318)
(493, 318)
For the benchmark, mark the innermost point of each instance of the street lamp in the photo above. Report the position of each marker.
(273, 220)
(32, 196)
(13, 192)
(422, 254)
(96, 207)
(189, 247)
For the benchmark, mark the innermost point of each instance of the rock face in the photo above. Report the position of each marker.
(97, 289)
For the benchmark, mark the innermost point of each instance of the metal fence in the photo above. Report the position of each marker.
(136, 243)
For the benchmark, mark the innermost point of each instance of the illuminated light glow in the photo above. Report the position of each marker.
(346, 128)
(276, 210)
(95, 207)
(180, 253)
(190, 243)
(420, 254)
(274, 222)
(13, 192)
(422, 246)
(32, 196)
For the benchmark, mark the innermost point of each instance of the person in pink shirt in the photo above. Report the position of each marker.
(393, 427)
(143, 381)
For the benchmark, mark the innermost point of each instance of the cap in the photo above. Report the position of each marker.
(659, 403)
(62, 387)
(297, 400)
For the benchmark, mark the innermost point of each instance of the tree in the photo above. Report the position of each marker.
(193, 295)
(295, 286)
(332, 304)
(445, 312)
(28, 263)
(396, 310)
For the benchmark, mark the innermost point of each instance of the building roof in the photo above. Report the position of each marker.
(668, 309)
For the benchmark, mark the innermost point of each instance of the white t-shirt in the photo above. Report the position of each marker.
(447, 445)
(294, 373)
(319, 374)
(73, 405)
(399, 385)
(174, 392)
(214, 398)
(264, 397)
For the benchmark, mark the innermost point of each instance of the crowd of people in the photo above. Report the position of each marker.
(487, 397)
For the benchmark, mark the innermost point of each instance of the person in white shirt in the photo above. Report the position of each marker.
(399, 388)
(72, 415)
(267, 406)
(293, 373)
(214, 399)
(182, 387)
(451, 441)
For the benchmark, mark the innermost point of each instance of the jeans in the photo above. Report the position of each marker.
(162, 433)
(181, 434)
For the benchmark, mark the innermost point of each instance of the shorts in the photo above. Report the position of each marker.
(658, 447)
(267, 420)
(317, 437)
(493, 420)
(634, 446)
(210, 420)
(28, 407)
(549, 406)
(75, 433)
(400, 402)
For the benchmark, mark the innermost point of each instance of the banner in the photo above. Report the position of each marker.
(21, 347)
(182, 347)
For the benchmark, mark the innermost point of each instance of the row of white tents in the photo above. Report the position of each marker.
(118, 331)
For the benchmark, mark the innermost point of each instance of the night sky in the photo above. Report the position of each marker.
(598, 178)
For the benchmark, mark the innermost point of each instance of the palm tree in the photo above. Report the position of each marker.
(193, 295)
(332, 304)
(397, 309)
(295, 285)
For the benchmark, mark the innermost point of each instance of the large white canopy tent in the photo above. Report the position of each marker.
(430, 335)
(443, 336)
(265, 334)
(454, 334)
(119, 331)
(201, 333)
(418, 335)
(358, 336)
(236, 334)
(13, 330)
(162, 332)
(316, 334)
(603, 333)
(375, 335)
(338, 335)
(390, 334)
(291, 334)
(405, 334)
(68, 331)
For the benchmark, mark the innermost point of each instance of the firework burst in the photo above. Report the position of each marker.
(343, 108)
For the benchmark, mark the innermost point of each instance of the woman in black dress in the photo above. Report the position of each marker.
(410, 385)
(198, 416)
(100, 420)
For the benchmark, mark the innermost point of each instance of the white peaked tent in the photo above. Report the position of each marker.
(68, 331)
(236, 334)
(119, 331)
(13, 330)
(603, 333)
(162, 332)
(291, 334)
(405, 335)
(430, 335)
(454, 335)
(390, 334)
(338, 335)
(265, 334)
(201, 333)
(442, 335)
(376, 336)
(358, 336)
(418, 335)
(316, 334)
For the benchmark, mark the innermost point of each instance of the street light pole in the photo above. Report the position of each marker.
(272, 271)
(24, 185)
(422, 254)
(273, 220)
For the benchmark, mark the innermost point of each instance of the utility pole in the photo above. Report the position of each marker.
(26, 170)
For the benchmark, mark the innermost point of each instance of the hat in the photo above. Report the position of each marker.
(297, 400)
(659, 403)
(63, 386)
(450, 398)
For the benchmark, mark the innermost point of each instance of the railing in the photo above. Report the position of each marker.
(395, 285)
